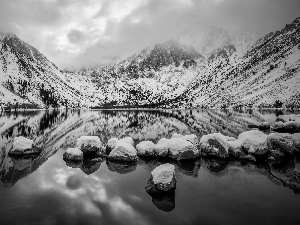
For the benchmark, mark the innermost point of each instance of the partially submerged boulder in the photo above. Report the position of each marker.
(235, 148)
(176, 148)
(189, 137)
(73, 154)
(180, 149)
(127, 140)
(162, 179)
(262, 126)
(287, 118)
(214, 145)
(162, 147)
(111, 144)
(23, 146)
(175, 135)
(281, 142)
(123, 152)
(146, 148)
(21, 162)
(88, 144)
(254, 142)
(287, 127)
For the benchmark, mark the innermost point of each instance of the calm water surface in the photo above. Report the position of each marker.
(45, 189)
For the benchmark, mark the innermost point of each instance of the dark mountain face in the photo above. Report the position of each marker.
(149, 61)
(171, 52)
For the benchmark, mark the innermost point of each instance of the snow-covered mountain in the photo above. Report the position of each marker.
(268, 72)
(216, 69)
(220, 69)
(29, 79)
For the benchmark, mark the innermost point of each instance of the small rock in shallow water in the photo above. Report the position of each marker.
(254, 142)
(162, 147)
(123, 152)
(280, 142)
(128, 140)
(287, 127)
(180, 149)
(214, 145)
(89, 144)
(162, 179)
(73, 154)
(145, 148)
(23, 146)
(264, 126)
(111, 144)
(235, 148)
(189, 137)
(175, 135)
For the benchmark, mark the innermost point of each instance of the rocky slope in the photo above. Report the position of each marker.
(29, 79)
(215, 70)
(267, 73)
(224, 69)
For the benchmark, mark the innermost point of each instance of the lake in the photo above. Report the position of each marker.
(45, 189)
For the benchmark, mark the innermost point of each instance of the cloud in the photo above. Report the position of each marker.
(75, 36)
(76, 33)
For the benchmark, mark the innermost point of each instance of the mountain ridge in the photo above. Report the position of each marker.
(231, 69)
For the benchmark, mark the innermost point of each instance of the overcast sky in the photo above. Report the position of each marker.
(76, 33)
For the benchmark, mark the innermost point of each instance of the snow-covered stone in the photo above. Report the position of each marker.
(22, 145)
(276, 153)
(254, 142)
(180, 149)
(214, 145)
(73, 154)
(111, 144)
(175, 135)
(228, 138)
(235, 148)
(296, 141)
(89, 144)
(264, 126)
(189, 137)
(127, 140)
(287, 127)
(287, 118)
(123, 152)
(162, 179)
(146, 148)
(280, 142)
(162, 147)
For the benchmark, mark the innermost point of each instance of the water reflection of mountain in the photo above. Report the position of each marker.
(53, 130)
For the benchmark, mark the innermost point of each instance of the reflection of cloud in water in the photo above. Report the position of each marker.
(87, 195)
